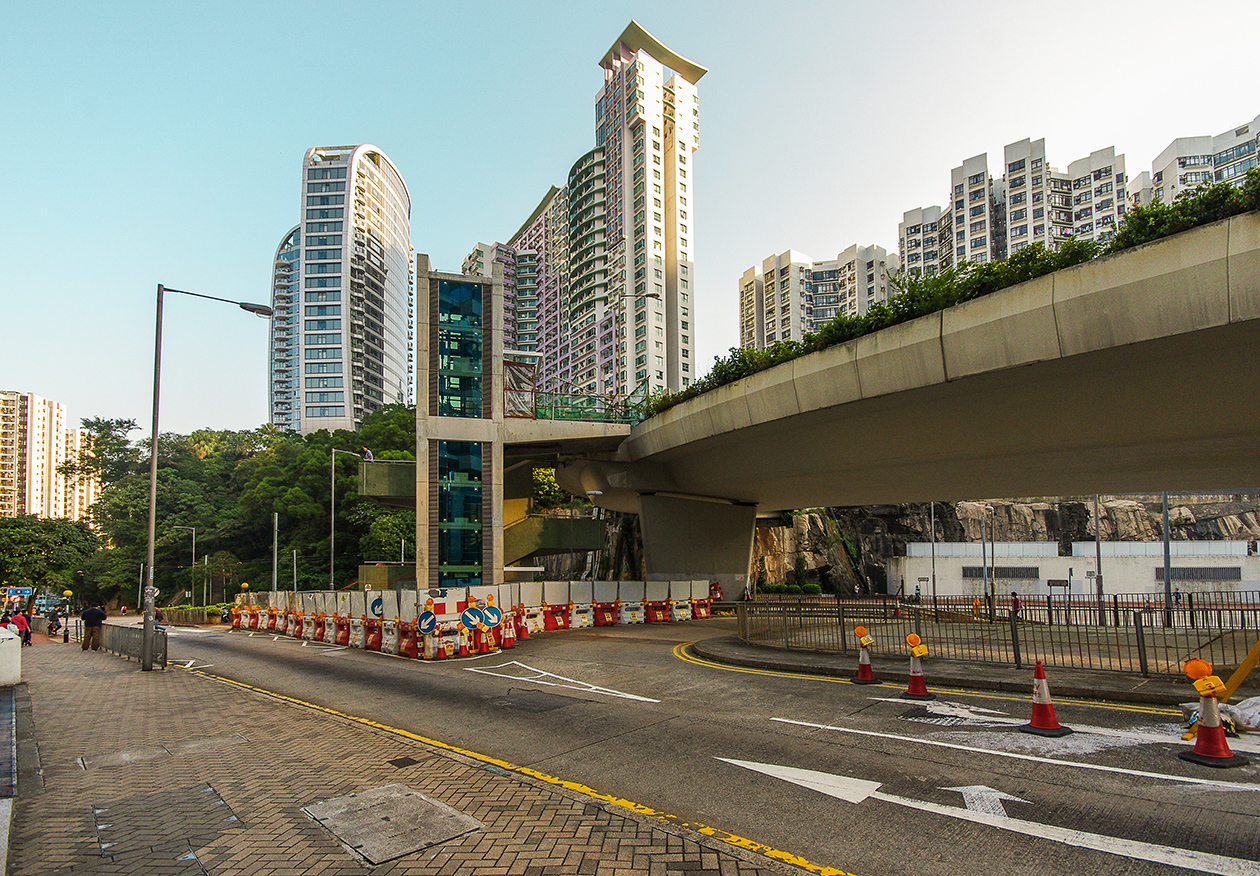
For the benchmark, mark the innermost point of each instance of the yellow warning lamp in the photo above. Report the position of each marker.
(67, 593)
(244, 586)
(917, 648)
(864, 637)
(1200, 672)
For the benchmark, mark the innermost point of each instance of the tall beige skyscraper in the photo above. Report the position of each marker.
(610, 256)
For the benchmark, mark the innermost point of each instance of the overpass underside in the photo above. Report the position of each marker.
(1133, 373)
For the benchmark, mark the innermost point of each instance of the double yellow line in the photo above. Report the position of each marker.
(611, 799)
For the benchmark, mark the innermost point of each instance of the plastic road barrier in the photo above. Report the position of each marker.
(534, 620)
(629, 613)
(342, 634)
(408, 639)
(581, 616)
(308, 627)
(680, 611)
(604, 598)
(271, 619)
(701, 603)
(236, 618)
(321, 620)
(372, 634)
(356, 632)
(389, 637)
(330, 629)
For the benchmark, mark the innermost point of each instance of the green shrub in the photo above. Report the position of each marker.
(791, 588)
(814, 589)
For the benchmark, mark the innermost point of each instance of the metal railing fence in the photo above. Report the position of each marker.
(124, 641)
(1127, 635)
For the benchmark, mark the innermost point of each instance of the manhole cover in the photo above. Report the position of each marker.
(534, 701)
(402, 762)
(386, 823)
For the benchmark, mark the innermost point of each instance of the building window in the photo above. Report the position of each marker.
(459, 513)
(459, 349)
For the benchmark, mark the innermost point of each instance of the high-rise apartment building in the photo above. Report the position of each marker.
(1189, 162)
(1038, 198)
(1099, 196)
(978, 203)
(918, 238)
(792, 294)
(35, 440)
(614, 248)
(343, 294)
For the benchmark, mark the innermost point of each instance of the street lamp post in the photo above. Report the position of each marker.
(146, 651)
(990, 593)
(332, 513)
(193, 577)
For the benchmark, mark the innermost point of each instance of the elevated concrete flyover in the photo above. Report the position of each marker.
(1136, 372)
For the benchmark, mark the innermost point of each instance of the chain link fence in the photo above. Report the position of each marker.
(1121, 632)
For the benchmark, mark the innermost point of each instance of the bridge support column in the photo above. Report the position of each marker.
(686, 538)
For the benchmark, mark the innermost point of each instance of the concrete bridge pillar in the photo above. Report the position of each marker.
(690, 538)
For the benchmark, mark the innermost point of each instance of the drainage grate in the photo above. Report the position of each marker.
(386, 823)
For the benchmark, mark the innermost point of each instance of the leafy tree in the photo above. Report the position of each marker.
(547, 493)
(43, 552)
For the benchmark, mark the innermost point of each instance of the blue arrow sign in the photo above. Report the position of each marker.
(472, 617)
(378, 606)
(494, 617)
(426, 622)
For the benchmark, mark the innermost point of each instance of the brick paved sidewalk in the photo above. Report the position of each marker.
(174, 773)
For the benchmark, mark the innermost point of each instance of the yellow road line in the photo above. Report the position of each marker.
(682, 653)
(611, 799)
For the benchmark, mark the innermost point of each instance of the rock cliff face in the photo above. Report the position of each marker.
(847, 549)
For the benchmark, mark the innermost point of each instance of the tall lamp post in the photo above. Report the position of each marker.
(990, 593)
(332, 513)
(191, 597)
(146, 650)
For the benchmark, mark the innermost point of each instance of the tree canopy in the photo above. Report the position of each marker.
(226, 485)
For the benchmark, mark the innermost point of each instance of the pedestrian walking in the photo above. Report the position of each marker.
(23, 627)
(1177, 595)
(1015, 603)
(92, 620)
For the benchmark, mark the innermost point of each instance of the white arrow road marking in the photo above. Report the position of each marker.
(1232, 786)
(986, 800)
(957, 710)
(854, 790)
(539, 677)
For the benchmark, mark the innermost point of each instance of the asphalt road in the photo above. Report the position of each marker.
(838, 775)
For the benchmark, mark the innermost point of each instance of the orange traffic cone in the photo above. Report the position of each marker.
(483, 636)
(1043, 722)
(463, 641)
(509, 633)
(865, 674)
(522, 627)
(1210, 748)
(917, 689)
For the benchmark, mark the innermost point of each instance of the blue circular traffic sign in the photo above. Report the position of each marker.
(378, 606)
(494, 617)
(472, 617)
(426, 622)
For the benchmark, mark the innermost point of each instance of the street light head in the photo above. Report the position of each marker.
(257, 309)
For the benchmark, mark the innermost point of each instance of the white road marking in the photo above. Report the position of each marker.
(982, 798)
(994, 718)
(854, 790)
(1233, 786)
(539, 677)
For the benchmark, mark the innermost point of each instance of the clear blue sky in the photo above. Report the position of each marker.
(161, 142)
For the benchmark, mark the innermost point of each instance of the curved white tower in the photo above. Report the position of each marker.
(354, 321)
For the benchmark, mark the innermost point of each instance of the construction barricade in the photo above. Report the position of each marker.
(630, 602)
(310, 610)
(679, 601)
(656, 602)
(390, 636)
(408, 640)
(604, 598)
(701, 603)
(529, 607)
(581, 605)
(555, 605)
(357, 632)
